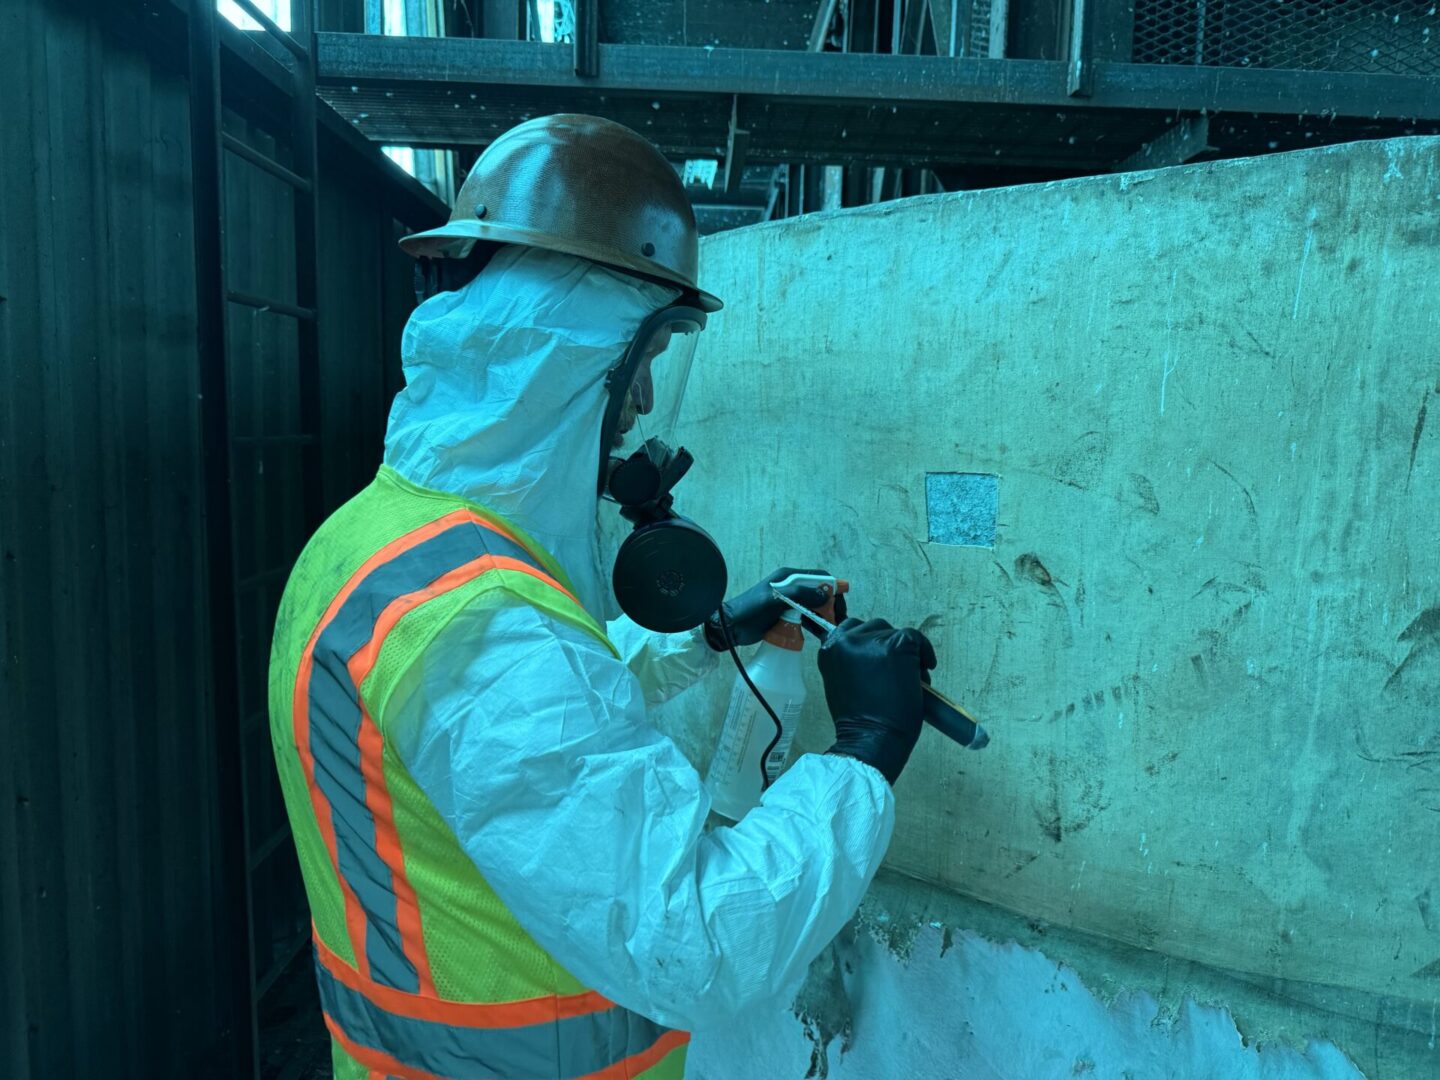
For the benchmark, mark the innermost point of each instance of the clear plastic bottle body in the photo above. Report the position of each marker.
(734, 776)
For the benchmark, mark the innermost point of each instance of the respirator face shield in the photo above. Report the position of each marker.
(650, 405)
(669, 575)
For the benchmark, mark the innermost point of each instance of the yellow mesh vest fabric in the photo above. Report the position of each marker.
(477, 951)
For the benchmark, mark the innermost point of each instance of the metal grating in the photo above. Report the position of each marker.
(1395, 37)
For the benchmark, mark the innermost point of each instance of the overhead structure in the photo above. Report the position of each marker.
(979, 93)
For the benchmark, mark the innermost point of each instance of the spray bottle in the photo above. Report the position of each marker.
(752, 751)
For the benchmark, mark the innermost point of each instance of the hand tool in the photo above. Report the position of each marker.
(940, 712)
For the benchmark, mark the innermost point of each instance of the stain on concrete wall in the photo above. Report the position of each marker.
(1205, 638)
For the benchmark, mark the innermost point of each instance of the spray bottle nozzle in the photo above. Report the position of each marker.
(822, 615)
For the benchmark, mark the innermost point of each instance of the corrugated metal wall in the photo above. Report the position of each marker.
(108, 915)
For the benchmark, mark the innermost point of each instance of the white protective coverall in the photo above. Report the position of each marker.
(532, 740)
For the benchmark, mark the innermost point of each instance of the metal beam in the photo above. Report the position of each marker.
(264, 161)
(737, 143)
(1186, 140)
(999, 28)
(824, 16)
(830, 78)
(271, 27)
(1082, 63)
(264, 303)
(587, 38)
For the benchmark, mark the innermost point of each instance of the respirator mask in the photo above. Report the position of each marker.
(669, 574)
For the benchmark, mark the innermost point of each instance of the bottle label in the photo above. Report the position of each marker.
(789, 715)
(733, 736)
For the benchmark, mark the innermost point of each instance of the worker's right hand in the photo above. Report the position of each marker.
(873, 674)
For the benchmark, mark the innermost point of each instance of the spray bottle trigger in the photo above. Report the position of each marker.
(831, 587)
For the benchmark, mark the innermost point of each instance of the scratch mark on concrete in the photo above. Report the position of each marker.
(930, 622)
(1029, 565)
(1427, 913)
(990, 673)
(1415, 439)
(1155, 766)
(1424, 631)
(1259, 346)
(1249, 500)
(1429, 971)
(1025, 862)
(1424, 625)
(1146, 491)
(1166, 367)
(923, 554)
(1300, 280)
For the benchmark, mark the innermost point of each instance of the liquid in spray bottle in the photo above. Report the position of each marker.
(735, 780)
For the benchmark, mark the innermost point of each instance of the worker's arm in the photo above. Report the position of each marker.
(665, 664)
(531, 740)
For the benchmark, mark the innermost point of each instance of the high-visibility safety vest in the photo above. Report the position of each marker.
(423, 971)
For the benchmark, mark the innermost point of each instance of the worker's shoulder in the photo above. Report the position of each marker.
(353, 537)
(386, 517)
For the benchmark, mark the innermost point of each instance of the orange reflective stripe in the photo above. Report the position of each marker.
(363, 662)
(355, 921)
(375, 1060)
(471, 1014)
(387, 846)
(638, 1063)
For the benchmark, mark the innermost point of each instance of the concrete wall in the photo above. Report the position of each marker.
(1200, 603)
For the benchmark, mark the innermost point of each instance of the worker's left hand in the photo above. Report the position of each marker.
(752, 613)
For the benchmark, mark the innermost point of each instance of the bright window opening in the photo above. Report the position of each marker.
(545, 20)
(404, 156)
(392, 20)
(700, 172)
(279, 10)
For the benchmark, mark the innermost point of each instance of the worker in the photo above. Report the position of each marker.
(507, 865)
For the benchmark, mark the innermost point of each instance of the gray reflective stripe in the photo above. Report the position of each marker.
(335, 729)
(569, 1047)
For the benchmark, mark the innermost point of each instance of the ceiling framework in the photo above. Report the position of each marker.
(836, 108)
(973, 122)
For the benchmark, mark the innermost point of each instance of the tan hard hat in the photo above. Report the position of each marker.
(581, 185)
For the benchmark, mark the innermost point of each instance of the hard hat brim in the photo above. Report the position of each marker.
(456, 239)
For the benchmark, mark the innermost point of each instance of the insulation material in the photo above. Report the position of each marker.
(1207, 636)
(961, 1006)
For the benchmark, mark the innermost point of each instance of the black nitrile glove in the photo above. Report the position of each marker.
(756, 610)
(872, 674)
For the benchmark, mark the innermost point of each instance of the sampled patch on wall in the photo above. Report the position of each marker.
(961, 508)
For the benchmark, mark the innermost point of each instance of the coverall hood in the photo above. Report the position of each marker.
(505, 393)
